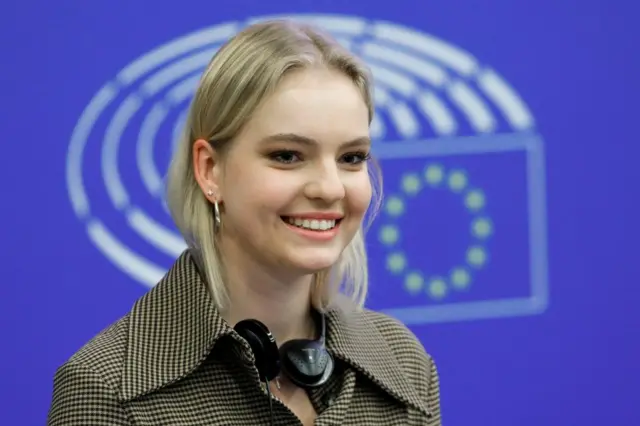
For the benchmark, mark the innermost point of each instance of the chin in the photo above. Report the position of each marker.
(311, 261)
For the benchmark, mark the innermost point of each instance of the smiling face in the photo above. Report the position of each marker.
(294, 183)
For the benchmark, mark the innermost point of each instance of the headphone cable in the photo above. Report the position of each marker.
(270, 402)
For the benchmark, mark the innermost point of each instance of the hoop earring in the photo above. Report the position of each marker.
(216, 214)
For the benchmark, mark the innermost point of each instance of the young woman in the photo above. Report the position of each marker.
(262, 321)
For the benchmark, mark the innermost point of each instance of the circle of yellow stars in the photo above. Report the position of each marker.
(459, 277)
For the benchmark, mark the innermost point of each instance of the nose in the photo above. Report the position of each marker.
(326, 184)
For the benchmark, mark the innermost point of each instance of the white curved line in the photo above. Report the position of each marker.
(398, 112)
(437, 113)
(404, 120)
(472, 105)
(79, 138)
(178, 128)
(110, 172)
(454, 57)
(184, 90)
(125, 259)
(155, 233)
(430, 72)
(179, 93)
(506, 99)
(380, 96)
(144, 153)
(333, 23)
(262, 18)
(339, 24)
(377, 128)
(192, 63)
(346, 43)
(395, 80)
(166, 52)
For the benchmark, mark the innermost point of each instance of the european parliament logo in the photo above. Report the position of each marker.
(462, 233)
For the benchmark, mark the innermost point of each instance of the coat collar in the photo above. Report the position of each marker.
(174, 327)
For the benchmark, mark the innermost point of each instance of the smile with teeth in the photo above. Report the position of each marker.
(312, 224)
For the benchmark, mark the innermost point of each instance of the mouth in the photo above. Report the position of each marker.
(318, 225)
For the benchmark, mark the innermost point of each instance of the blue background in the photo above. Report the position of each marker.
(575, 64)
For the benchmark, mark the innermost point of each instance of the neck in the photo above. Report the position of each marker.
(282, 304)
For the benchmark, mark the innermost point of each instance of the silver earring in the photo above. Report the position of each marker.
(210, 192)
(216, 214)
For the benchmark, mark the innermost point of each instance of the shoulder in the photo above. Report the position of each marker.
(402, 341)
(104, 354)
(86, 386)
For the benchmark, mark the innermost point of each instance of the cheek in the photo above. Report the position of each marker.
(359, 193)
(259, 190)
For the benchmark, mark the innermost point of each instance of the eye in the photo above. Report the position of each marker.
(285, 157)
(355, 158)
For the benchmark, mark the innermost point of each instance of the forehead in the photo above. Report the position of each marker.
(320, 104)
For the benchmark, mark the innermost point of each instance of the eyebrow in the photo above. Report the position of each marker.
(304, 140)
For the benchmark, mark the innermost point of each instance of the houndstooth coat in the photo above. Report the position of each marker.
(173, 360)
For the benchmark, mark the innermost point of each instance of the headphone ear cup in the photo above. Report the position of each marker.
(307, 363)
(263, 346)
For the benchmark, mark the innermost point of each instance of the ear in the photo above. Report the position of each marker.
(207, 168)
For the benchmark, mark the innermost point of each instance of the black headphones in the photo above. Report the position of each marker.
(306, 362)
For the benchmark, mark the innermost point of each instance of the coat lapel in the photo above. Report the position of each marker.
(356, 339)
(174, 327)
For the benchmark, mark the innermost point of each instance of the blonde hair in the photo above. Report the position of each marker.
(239, 77)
